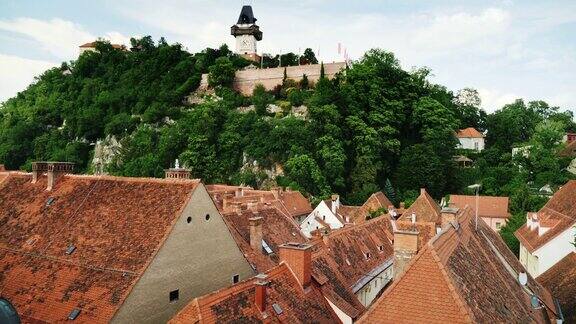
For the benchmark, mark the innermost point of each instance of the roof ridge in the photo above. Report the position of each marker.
(461, 305)
(133, 179)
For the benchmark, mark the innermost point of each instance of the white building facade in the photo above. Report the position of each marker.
(322, 217)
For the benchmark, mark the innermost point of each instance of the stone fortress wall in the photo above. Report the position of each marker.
(246, 80)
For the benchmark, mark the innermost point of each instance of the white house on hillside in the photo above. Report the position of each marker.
(549, 234)
(470, 139)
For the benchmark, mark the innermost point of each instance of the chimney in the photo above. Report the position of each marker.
(448, 215)
(260, 294)
(2, 168)
(53, 171)
(335, 203)
(422, 191)
(256, 233)
(405, 248)
(535, 222)
(239, 192)
(298, 256)
(529, 220)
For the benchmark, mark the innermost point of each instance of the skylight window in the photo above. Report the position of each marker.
(174, 295)
(277, 309)
(71, 248)
(367, 254)
(266, 247)
(50, 201)
(73, 314)
(236, 278)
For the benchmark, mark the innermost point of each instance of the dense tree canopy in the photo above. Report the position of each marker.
(375, 126)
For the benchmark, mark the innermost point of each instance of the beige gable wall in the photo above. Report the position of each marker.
(197, 258)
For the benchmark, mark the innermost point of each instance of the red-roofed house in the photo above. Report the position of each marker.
(284, 294)
(560, 279)
(463, 275)
(91, 47)
(424, 209)
(493, 210)
(470, 139)
(109, 249)
(548, 234)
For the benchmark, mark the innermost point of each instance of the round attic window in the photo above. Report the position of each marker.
(189, 219)
(207, 216)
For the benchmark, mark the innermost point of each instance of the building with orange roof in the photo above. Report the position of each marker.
(229, 198)
(424, 209)
(464, 275)
(470, 139)
(493, 210)
(100, 249)
(548, 234)
(91, 47)
(560, 279)
(285, 293)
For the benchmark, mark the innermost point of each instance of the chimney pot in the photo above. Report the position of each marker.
(256, 233)
(422, 191)
(260, 295)
(298, 256)
(402, 205)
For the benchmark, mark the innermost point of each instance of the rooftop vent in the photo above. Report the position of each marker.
(70, 249)
(266, 247)
(50, 201)
(277, 309)
(73, 314)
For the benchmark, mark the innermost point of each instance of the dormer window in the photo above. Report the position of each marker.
(381, 248)
(367, 255)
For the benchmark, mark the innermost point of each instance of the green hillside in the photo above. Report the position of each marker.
(374, 127)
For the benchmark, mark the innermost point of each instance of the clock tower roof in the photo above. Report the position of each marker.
(246, 16)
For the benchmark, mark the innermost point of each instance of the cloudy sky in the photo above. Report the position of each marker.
(505, 49)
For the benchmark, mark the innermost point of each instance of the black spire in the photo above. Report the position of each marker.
(246, 16)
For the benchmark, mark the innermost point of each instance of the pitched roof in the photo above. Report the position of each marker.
(237, 303)
(246, 16)
(376, 201)
(348, 247)
(560, 279)
(93, 45)
(117, 225)
(461, 275)
(469, 132)
(558, 215)
(569, 150)
(487, 206)
(226, 197)
(277, 229)
(425, 208)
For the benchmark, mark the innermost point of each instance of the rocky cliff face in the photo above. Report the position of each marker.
(104, 152)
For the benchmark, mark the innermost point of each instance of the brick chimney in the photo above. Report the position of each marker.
(298, 256)
(448, 214)
(2, 168)
(260, 294)
(53, 171)
(277, 192)
(256, 233)
(405, 247)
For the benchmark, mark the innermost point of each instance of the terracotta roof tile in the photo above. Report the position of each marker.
(236, 304)
(488, 206)
(116, 224)
(560, 279)
(461, 275)
(425, 208)
(277, 229)
(469, 132)
(376, 201)
(559, 213)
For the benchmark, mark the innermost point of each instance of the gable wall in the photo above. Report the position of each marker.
(197, 258)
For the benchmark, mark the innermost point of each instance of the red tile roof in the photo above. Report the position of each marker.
(425, 208)
(226, 197)
(558, 213)
(469, 132)
(116, 224)
(93, 45)
(462, 275)
(348, 247)
(277, 229)
(236, 304)
(376, 201)
(560, 279)
(496, 207)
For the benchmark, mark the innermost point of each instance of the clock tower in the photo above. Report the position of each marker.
(247, 33)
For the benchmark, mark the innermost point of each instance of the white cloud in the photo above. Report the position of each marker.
(493, 100)
(18, 73)
(59, 37)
